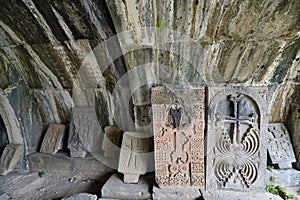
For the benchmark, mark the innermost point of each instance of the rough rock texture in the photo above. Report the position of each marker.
(232, 42)
(42, 46)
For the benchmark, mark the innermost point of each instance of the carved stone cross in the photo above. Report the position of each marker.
(237, 119)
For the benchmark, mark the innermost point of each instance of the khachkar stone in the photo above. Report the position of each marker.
(237, 133)
(133, 160)
(279, 146)
(81, 130)
(53, 140)
(10, 157)
(178, 126)
(111, 141)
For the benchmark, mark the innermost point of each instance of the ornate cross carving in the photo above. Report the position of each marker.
(237, 119)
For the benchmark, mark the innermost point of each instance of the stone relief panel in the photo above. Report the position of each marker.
(237, 133)
(81, 130)
(178, 125)
(133, 160)
(53, 140)
(280, 148)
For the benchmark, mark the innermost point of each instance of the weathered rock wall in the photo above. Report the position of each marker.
(42, 47)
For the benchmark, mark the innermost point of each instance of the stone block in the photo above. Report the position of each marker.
(235, 195)
(236, 138)
(134, 158)
(111, 141)
(115, 188)
(175, 193)
(178, 127)
(284, 177)
(280, 147)
(10, 157)
(53, 140)
(63, 165)
(81, 196)
(81, 130)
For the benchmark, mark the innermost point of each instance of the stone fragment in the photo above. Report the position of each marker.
(81, 131)
(115, 188)
(10, 157)
(175, 193)
(53, 140)
(238, 195)
(280, 147)
(81, 196)
(62, 164)
(134, 155)
(178, 126)
(111, 141)
(284, 177)
(237, 131)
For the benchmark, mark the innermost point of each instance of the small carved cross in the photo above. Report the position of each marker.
(237, 119)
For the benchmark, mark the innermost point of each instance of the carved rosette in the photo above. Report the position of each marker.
(236, 138)
(178, 124)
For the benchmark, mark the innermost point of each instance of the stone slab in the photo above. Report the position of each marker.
(134, 156)
(280, 148)
(234, 195)
(81, 196)
(236, 138)
(53, 140)
(10, 157)
(284, 177)
(115, 188)
(175, 194)
(178, 127)
(81, 130)
(64, 165)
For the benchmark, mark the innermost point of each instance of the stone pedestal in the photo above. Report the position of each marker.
(115, 188)
(175, 193)
(133, 160)
(81, 196)
(284, 177)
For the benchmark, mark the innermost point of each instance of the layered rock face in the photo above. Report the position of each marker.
(44, 46)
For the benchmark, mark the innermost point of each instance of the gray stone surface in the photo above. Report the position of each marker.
(280, 147)
(115, 188)
(111, 141)
(66, 166)
(3, 196)
(53, 139)
(175, 193)
(234, 195)
(178, 126)
(134, 157)
(237, 138)
(81, 130)
(284, 177)
(10, 157)
(81, 196)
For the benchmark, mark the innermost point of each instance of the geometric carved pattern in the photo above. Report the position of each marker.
(178, 126)
(279, 146)
(236, 138)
